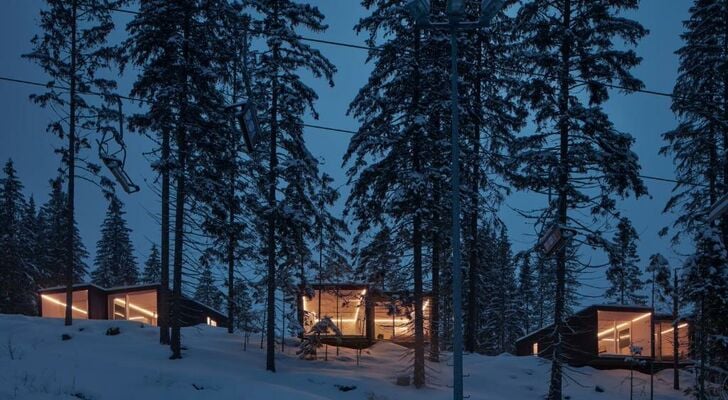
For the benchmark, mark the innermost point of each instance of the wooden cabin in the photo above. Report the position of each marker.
(362, 313)
(131, 303)
(606, 336)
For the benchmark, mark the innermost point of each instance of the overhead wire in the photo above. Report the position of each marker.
(320, 127)
(378, 49)
(511, 69)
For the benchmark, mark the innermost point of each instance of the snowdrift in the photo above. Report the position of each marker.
(36, 363)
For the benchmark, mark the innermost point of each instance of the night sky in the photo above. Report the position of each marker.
(646, 117)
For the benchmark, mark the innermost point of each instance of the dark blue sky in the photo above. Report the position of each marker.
(646, 117)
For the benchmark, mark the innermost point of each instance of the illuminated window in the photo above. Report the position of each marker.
(535, 349)
(665, 335)
(346, 309)
(619, 331)
(54, 305)
(393, 320)
(134, 306)
(211, 322)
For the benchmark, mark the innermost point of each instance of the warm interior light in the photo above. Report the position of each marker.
(60, 303)
(211, 322)
(622, 325)
(135, 307)
(671, 329)
(137, 318)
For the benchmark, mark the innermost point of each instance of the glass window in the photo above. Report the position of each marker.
(54, 305)
(664, 345)
(535, 349)
(619, 332)
(346, 309)
(393, 320)
(134, 306)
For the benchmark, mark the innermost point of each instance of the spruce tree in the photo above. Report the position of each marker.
(705, 288)
(52, 218)
(17, 284)
(115, 262)
(660, 280)
(284, 98)
(152, 267)
(526, 293)
(175, 46)
(499, 320)
(206, 291)
(623, 272)
(73, 51)
(244, 316)
(571, 50)
(699, 146)
(31, 238)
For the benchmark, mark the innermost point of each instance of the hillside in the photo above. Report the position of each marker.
(35, 363)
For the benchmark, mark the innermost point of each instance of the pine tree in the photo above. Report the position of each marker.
(206, 291)
(331, 233)
(545, 288)
(152, 267)
(52, 218)
(659, 279)
(175, 46)
(705, 288)
(499, 320)
(17, 284)
(386, 154)
(699, 146)
(526, 293)
(244, 315)
(31, 238)
(115, 262)
(624, 273)
(284, 98)
(569, 50)
(72, 49)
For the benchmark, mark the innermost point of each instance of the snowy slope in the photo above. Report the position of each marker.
(36, 364)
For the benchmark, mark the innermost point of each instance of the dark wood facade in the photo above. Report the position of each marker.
(194, 313)
(581, 337)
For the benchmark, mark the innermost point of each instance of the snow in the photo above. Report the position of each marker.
(36, 364)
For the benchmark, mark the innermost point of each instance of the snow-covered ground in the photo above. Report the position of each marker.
(35, 363)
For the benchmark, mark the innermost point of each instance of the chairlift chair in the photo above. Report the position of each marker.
(112, 161)
(248, 120)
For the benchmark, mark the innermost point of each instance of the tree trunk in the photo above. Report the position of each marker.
(419, 366)
(272, 213)
(70, 232)
(555, 392)
(435, 301)
(675, 337)
(231, 254)
(232, 239)
(179, 212)
(473, 259)
(164, 273)
(653, 335)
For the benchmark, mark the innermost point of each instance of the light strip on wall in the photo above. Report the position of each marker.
(60, 303)
(622, 325)
(671, 329)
